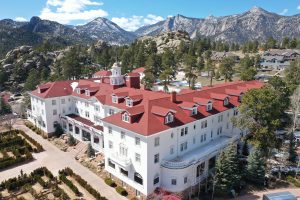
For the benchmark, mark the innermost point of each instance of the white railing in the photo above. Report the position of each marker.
(188, 160)
(124, 161)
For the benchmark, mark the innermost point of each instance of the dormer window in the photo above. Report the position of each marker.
(226, 101)
(209, 106)
(169, 118)
(129, 102)
(87, 93)
(125, 117)
(78, 90)
(241, 97)
(194, 110)
(114, 99)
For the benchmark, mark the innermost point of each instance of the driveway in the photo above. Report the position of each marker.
(55, 160)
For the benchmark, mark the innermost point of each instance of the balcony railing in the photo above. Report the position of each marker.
(202, 153)
(121, 160)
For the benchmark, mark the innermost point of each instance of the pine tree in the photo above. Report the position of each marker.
(32, 80)
(228, 174)
(58, 130)
(255, 169)
(90, 151)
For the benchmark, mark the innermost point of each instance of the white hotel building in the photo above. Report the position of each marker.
(152, 141)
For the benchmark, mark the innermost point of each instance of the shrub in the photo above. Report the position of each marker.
(110, 182)
(293, 180)
(71, 140)
(90, 151)
(70, 184)
(121, 191)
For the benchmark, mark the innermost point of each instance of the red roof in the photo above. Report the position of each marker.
(201, 101)
(234, 92)
(85, 121)
(139, 70)
(135, 110)
(133, 74)
(171, 197)
(102, 73)
(54, 89)
(218, 96)
(160, 111)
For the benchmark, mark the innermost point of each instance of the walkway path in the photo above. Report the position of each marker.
(55, 160)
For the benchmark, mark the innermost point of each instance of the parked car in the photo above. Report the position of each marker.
(279, 196)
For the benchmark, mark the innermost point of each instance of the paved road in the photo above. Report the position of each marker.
(55, 160)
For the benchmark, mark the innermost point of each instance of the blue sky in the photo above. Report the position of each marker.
(131, 14)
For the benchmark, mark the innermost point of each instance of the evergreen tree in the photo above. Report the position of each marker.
(32, 80)
(255, 168)
(90, 151)
(4, 107)
(190, 69)
(228, 174)
(226, 68)
(58, 130)
(71, 140)
(292, 75)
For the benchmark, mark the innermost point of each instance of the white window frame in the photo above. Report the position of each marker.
(125, 117)
(194, 110)
(226, 101)
(129, 102)
(137, 141)
(169, 118)
(137, 157)
(156, 141)
(114, 99)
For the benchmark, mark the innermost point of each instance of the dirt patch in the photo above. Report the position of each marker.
(67, 190)
(27, 196)
(10, 154)
(38, 188)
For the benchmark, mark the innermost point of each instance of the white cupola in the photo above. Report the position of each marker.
(116, 77)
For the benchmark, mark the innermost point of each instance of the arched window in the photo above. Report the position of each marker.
(200, 169)
(125, 117)
(138, 178)
(169, 118)
(226, 101)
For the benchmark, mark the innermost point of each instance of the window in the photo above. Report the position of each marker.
(235, 112)
(112, 165)
(226, 101)
(86, 104)
(194, 110)
(171, 150)
(114, 99)
(110, 144)
(156, 141)
(169, 118)
(96, 140)
(97, 119)
(76, 110)
(156, 180)
(227, 125)
(63, 101)
(70, 127)
(87, 114)
(54, 112)
(219, 130)
(137, 141)
(182, 132)
(194, 140)
(185, 179)
(53, 102)
(173, 181)
(220, 118)
(123, 150)
(42, 112)
(194, 126)
(212, 162)
(109, 130)
(111, 112)
(201, 138)
(124, 172)
(186, 130)
(204, 124)
(138, 178)
(122, 135)
(87, 93)
(137, 158)
(63, 110)
(209, 106)
(97, 108)
(211, 134)
(129, 102)
(183, 146)
(77, 130)
(156, 158)
(125, 117)
(70, 108)
(205, 137)
(200, 169)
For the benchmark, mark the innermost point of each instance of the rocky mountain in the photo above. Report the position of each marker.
(255, 24)
(105, 30)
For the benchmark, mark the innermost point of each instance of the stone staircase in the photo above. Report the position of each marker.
(79, 149)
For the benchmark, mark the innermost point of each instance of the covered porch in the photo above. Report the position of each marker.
(84, 130)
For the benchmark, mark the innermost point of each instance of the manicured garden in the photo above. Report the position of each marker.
(16, 147)
(41, 184)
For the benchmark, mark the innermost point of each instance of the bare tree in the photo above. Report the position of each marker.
(8, 123)
(295, 106)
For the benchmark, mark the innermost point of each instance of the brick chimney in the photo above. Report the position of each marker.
(173, 97)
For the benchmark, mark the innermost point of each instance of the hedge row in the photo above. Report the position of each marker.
(69, 172)
(10, 161)
(16, 183)
(121, 191)
(35, 129)
(70, 184)
(39, 147)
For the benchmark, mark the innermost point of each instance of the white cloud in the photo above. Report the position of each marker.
(20, 19)
(65, 11)
(298, 7)
(284, 11)
(135, 22)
